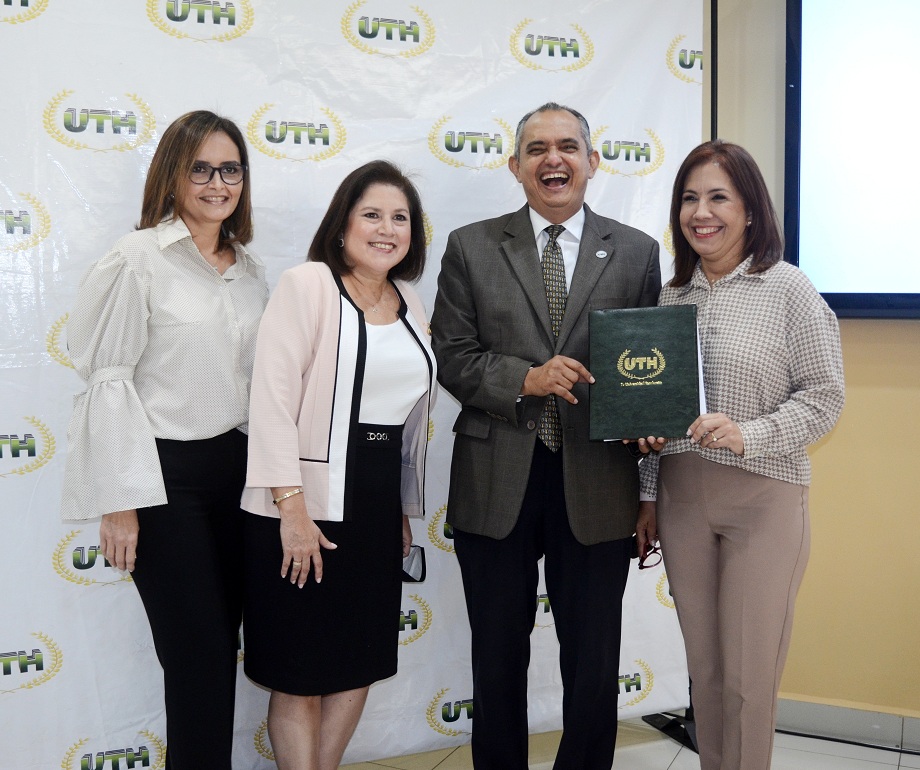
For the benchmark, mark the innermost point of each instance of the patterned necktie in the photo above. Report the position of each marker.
(550, 429)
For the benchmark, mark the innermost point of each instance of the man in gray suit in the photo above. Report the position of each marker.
(510, 332)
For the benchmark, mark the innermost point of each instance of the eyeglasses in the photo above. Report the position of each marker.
(231, 173)
(651, 558)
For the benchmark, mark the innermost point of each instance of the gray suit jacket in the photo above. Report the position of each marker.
(490, 325)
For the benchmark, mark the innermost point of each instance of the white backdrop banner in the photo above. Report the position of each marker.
(318, 89)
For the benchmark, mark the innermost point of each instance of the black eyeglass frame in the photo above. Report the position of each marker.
(653, 550)
(220, 171)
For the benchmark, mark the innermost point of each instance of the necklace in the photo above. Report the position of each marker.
(374, 305)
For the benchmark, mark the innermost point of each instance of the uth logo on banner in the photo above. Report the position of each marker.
(22, 670)
(84, 565)
(628, 156)
(150, 753)
(663, 592)
(640, 683)
(441, 715)
(544, 617)
(202, 20)
(471, 149)
(19, 456)
(535, 48)
(20, 11)
(405, 31)
(414, 622)
(440, 532)
(81, 127)
(684, 63)
(53, 344)
(24, 223)
(273, 133)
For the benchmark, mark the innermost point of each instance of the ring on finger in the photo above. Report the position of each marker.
(296, 563)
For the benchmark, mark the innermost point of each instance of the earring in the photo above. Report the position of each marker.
(342, 241)
(749, 221)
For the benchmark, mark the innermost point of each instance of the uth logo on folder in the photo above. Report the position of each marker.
(648, 373)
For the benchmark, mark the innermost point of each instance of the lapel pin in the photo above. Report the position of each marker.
(600, 254)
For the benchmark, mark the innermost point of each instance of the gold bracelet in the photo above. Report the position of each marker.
(286, 495)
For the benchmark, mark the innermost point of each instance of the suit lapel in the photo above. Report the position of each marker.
(588, 270)
(521, 252)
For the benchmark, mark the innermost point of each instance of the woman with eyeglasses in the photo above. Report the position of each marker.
(732, 496)
(163, 332)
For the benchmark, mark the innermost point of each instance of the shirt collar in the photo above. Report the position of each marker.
(573, 226)
(173, 231)
(699, 279)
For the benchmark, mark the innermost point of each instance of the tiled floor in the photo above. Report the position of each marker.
(640, 747)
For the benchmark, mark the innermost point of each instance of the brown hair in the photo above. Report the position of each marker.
(763, 238)
(325, 246)
(164, 190)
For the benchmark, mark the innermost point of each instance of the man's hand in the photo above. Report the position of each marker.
(556, 376)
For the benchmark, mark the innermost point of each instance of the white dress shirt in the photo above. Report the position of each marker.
(165, 344)
(569, 240)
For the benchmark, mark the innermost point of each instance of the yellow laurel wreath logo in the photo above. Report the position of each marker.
(59, 562)
(430, 429)
(241, 29)
(259, 741)
(160, 748)
(41, 228)
(672, 67)
(158, 745)
(160, 23)
(426, 623)
(432, 719)
(347, 27)
(48, 447)
(71, 755)
(664, 596)
(621, 366)
(434, 146)
(257, 141)
(648, 684)
(36, 10)
(669, 240)
(583, 61)
(53, 342)
(429, 237)
(148, 125)
(657, 161)
(434, 527)
(57, 660)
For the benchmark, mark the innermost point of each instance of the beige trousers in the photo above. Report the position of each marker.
(735, 546)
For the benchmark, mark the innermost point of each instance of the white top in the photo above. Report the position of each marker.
(165, 344)
(395, 375)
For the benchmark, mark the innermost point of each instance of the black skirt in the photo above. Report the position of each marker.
(343, 633)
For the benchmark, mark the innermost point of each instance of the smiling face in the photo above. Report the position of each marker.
(554, 165)
(378, 233)
(206, 206)
(713, 219)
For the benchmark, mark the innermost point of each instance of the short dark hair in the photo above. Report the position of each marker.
(763, 239)
(552, 107)
(325, 246)
(164, 190)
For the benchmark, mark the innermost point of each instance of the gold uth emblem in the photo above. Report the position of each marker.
(641, 367)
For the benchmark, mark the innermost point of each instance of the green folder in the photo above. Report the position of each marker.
(646, 365)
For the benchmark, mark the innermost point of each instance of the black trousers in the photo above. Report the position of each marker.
(585, 586)
(189, 577)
